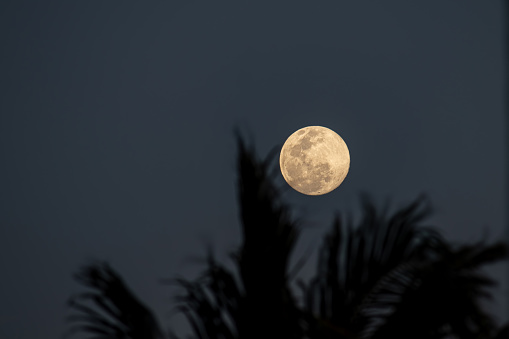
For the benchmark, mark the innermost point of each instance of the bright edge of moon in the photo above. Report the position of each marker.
(314, 160)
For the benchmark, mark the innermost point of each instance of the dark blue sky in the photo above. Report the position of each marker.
(116, 129)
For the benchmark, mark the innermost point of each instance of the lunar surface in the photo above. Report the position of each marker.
(314, 160)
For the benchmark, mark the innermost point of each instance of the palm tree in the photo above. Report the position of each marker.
(387, 276)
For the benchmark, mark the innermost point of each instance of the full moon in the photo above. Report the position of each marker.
(314, 160)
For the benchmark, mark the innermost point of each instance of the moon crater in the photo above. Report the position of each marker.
(314, 160)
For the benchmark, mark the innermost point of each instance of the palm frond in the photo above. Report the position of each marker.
(442, 296)
(255, 300)
(211, 303)
(355, 260)
(110, 310)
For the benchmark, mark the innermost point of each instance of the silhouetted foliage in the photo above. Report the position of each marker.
(260, 301)
(447, 291)
(110, 310)
(386, 276)
(358, 264)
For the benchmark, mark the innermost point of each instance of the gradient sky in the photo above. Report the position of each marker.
(116, 127)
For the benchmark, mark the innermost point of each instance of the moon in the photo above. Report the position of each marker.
(314, 160)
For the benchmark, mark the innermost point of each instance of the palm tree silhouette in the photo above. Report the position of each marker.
(387, 276)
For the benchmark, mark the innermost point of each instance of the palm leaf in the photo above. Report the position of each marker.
(442, 296)
(110, 310)
(354, 261)
(255, 300)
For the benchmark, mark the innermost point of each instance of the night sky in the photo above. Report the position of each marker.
(117, 118)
